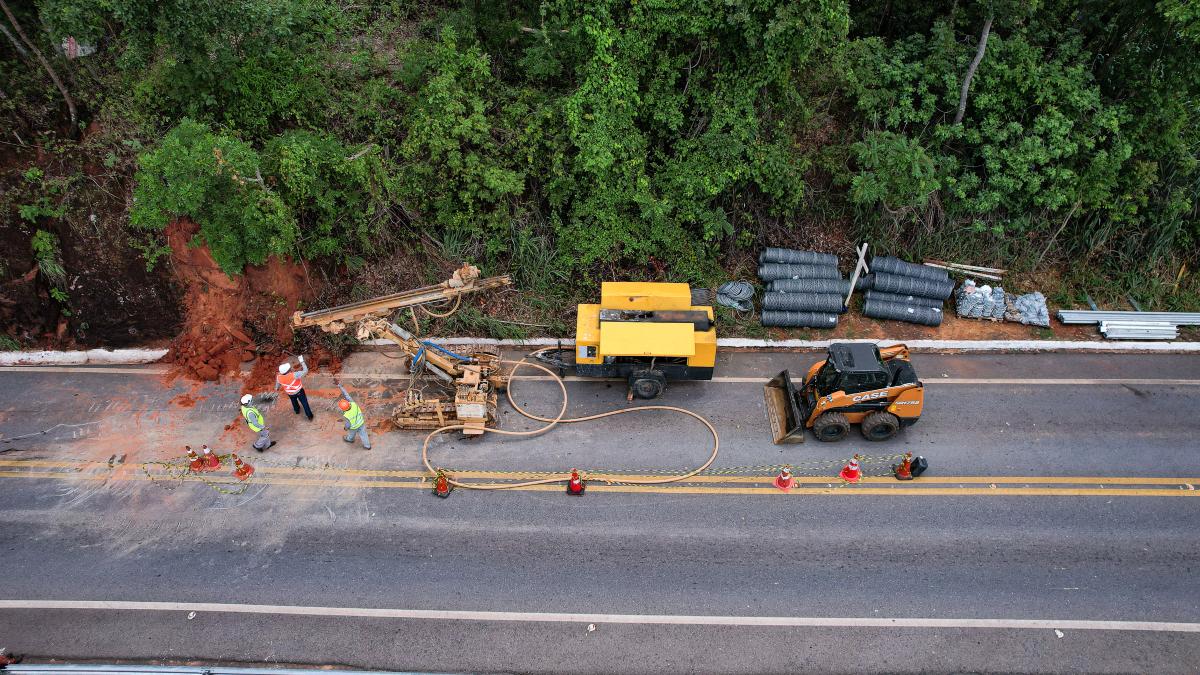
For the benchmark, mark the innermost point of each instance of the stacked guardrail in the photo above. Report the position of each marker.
(804, 288)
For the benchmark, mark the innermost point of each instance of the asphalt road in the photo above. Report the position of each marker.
(336, 545)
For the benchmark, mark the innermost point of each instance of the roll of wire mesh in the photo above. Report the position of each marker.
(906, 285)
(836, 286)
(799, 319)
(773, 271)
(926, 316)
(803, 302)
(791, 256)
(880, 296)
(890, 265)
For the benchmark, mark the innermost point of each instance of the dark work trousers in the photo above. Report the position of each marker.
(301, 399)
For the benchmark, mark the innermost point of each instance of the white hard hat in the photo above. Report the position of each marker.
(246, 399)
(284, 367)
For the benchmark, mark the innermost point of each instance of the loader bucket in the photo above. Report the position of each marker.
(783, 411)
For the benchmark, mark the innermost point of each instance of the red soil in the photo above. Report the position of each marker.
(222, 313)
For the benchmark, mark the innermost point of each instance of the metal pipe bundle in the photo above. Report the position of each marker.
(1077, 316)
(926, 316)
(890, 265)
(880, 296)
(835, 286)
(791, 256)
(803, 302)
(773, 271)
(799, 319)
(905, 285)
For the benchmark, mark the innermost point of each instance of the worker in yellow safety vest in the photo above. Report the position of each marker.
(356, 423)
(293, 386)
(257, 424)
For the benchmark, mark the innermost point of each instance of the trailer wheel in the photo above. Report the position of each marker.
(880, 426)
(830, 427)
(647, 383)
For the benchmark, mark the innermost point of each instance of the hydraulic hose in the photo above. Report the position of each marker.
(561, 418)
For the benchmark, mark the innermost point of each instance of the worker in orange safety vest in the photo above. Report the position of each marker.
(293, 386)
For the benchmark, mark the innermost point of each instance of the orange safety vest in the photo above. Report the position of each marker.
(292, 386)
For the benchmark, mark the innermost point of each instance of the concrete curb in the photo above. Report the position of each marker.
(927, 346)
(92, 357)
(95, 357)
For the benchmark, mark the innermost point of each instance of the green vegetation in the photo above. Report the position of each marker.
(566, 141)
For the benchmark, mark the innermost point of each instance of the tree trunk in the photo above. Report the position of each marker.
(45, 64)
(966, 86)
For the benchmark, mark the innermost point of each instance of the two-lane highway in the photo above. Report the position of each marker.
(1061, 500)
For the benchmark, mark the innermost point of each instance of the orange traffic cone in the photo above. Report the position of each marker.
(784, 480)
(211, 461)
(241, 469)
(903, 470)
(441, 485)
(851, 473)
(575, 486)
(194, 461)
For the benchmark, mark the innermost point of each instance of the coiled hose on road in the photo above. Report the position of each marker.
(561, 418)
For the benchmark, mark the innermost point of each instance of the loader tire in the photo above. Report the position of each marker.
(647, 384)
(831, 427)
(880, 426)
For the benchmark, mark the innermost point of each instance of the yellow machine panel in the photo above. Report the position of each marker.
(705, 355)
(644, 295)
(587, 335)
(646, 339)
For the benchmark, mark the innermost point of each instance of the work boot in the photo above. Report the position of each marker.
(348, 439)
(310, 418)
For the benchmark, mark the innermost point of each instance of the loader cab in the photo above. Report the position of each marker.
(852, 368)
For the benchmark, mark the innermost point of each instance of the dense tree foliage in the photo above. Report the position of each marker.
(667, 134)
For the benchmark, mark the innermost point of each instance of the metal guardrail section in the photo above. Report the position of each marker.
(1080, 316)
(134, 669)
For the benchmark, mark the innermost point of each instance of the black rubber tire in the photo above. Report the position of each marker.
(831, 427)
(880, 426)
(647, 384)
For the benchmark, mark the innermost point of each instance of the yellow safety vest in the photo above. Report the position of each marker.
(254, 419)
(354, 415)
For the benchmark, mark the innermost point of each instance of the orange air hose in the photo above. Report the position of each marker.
(560, 418)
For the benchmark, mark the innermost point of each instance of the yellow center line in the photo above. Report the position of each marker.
(896, 489)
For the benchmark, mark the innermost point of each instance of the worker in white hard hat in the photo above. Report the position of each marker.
(257, 424)
(293, 386)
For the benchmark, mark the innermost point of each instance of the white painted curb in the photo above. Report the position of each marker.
(915, 345)
(93, 357)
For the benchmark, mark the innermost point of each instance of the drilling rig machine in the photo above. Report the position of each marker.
(469, 383)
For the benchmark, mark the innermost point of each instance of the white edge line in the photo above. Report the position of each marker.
(555, 617)
(136, 356)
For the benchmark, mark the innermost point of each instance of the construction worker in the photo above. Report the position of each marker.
(257, 424)
(356, 423)
(293, 386)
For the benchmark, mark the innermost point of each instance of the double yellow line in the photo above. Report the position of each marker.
(375, 479)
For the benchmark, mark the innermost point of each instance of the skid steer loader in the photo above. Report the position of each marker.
(856, 384)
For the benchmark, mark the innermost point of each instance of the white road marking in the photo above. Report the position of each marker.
(1144, 382)
(555, 617)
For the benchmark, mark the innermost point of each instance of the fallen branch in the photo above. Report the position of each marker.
(975, 268)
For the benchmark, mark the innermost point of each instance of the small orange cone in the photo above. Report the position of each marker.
(851, 473)
(241, 469)
(784, 480)
(903, 470)
(441, 485)
(211, 461)
(194, 461)
(575, 486)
